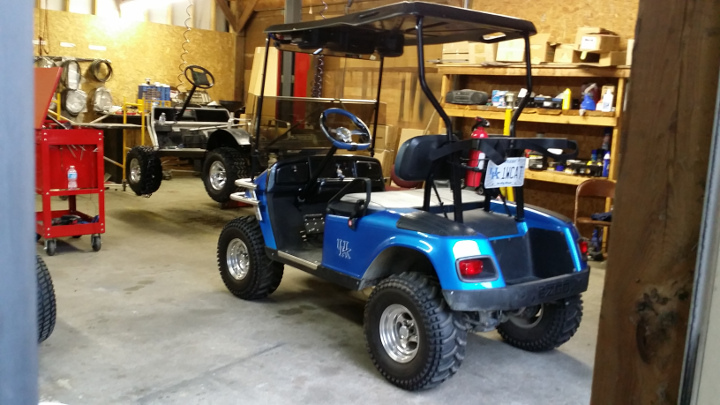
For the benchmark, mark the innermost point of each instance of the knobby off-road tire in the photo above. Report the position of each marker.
(412, 305)
(244, 267)
(143, 171)
(553, 325)
(46, 310)
(221, 168)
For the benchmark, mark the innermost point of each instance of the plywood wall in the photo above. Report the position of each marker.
(562, 18)
(138, 50)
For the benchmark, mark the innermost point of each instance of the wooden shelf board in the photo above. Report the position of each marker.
(549, 119)
(551, 70)
(556, 177)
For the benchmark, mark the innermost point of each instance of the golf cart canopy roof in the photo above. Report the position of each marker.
(384, 31)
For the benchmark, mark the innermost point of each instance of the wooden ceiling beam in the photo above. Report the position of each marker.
(246, 14)
(227, 12)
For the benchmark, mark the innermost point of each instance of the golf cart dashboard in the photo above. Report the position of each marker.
(291, 173)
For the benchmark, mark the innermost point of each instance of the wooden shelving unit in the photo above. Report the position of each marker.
(455, 111)
(555, 177)
(450, 71)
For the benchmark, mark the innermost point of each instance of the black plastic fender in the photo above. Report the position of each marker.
(232, 137)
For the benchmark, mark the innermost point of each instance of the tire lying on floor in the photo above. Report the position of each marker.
(46, 310)
(221, 168)
(143, 170)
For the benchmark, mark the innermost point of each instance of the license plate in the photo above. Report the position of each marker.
(509, 174)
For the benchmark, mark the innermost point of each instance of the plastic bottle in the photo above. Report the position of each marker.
(607, 101)
(72, 178)
(162, 120)
(606, 164)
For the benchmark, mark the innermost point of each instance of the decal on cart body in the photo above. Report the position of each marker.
(343, 247)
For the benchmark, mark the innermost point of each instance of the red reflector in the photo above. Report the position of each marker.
(470, 267)
(583, 247)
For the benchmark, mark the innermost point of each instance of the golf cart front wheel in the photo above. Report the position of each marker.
(414, 339)
(543, 327)
(244, 267)
(143, 170)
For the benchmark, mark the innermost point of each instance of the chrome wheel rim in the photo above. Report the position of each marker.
(135, 171)
(238, 259)
(529, 317)
(399, 333)
(218, 176)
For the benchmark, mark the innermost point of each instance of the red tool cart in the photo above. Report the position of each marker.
(56, 150)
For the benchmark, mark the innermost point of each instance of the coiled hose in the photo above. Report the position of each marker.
(181, 75)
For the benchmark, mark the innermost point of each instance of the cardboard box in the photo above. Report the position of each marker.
(566, 53)
(630, 47)
(599, 43)
(387, 159)
(385, 137)
(615, 58)
(473, 53)
(596, 39)
(407, 134)
(541, 50)
(511, 51)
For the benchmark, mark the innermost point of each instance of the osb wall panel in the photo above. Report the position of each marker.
(562, 18)
(140, 50)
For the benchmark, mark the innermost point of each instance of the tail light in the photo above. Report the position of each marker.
(583, 247)
(470, 268)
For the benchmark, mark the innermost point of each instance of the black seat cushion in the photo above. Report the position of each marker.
(413, 162)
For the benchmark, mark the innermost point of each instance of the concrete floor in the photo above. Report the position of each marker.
(147, 320)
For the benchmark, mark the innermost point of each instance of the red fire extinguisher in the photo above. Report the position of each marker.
(472, 178)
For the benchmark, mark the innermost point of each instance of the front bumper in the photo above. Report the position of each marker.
(519, 295)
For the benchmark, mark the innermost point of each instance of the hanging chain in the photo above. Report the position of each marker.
(317, 81)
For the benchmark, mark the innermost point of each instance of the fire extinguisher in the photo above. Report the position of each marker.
(472, 178)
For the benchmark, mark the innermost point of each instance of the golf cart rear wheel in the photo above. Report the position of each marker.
(543, 327)
(221, 168)
(143, 170)
(46, 309)
(414, 339)
(244, 267)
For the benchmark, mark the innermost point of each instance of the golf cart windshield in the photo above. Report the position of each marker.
(299, 128)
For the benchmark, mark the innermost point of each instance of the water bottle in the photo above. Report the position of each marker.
(162, 119)
(606, 164)
(72, 178)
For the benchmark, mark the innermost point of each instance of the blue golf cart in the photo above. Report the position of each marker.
(443, 261)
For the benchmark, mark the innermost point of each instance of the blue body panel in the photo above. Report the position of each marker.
(261, 193)
(351, 252)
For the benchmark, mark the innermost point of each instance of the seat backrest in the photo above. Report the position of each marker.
(593, 188)
(413, 161)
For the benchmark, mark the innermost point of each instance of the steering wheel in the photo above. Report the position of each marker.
(341, 137)
(200, 77)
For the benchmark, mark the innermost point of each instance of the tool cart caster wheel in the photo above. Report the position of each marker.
(96, 242)
(50, 247)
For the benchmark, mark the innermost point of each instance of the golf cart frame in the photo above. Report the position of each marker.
(438, 272)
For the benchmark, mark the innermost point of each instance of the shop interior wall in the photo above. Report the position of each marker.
(137, 50)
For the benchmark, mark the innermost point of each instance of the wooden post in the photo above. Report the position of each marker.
(663, 161)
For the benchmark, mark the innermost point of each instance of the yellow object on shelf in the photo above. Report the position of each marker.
(567, 99)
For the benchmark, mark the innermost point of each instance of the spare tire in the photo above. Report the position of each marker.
(46, 309)
(143, 170)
